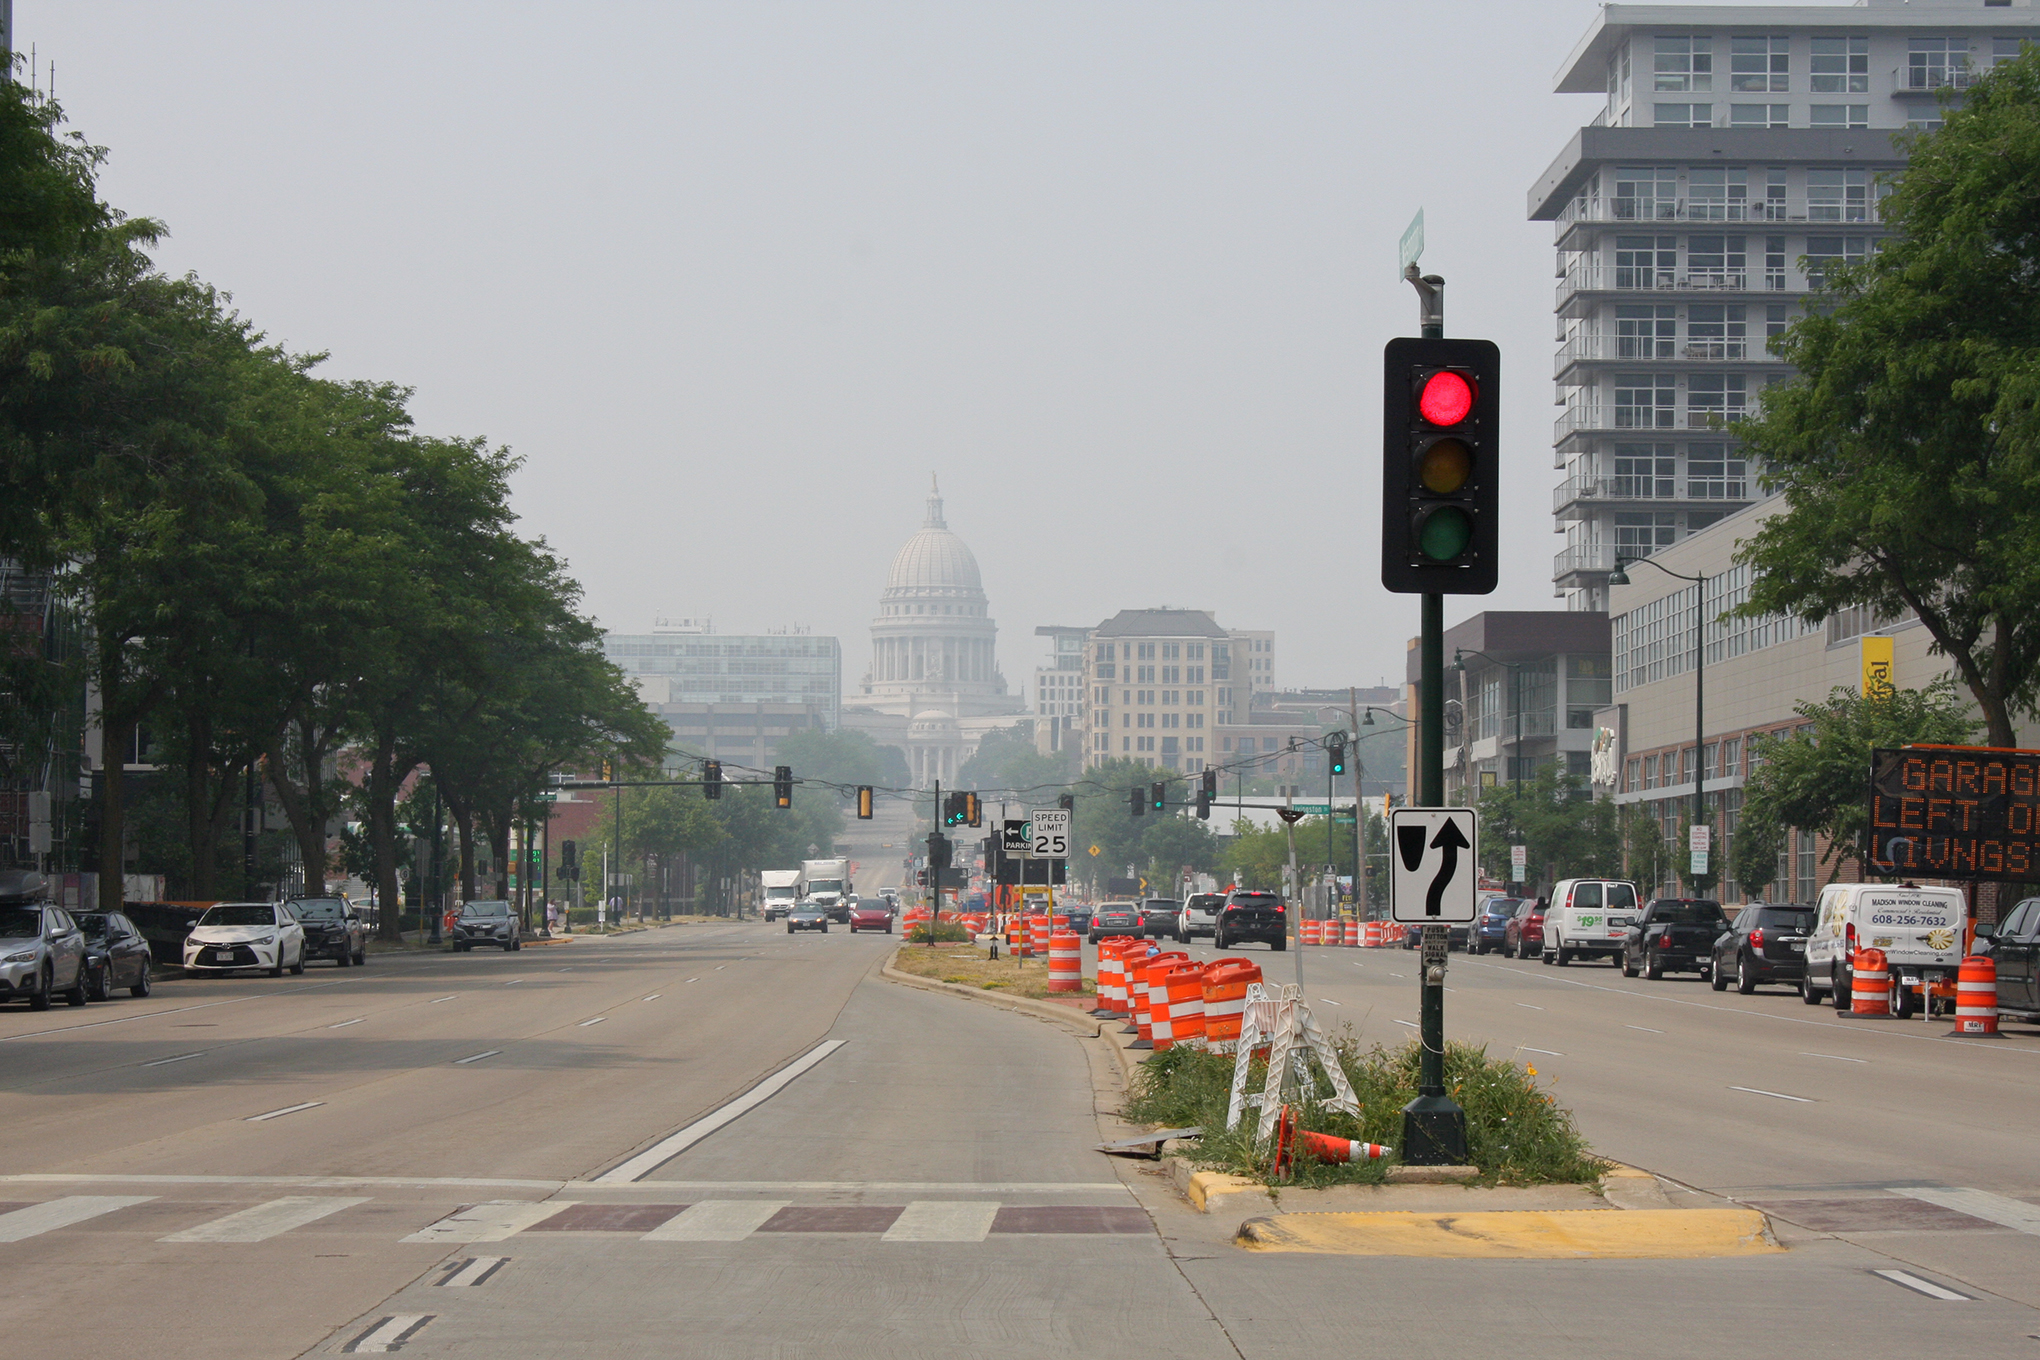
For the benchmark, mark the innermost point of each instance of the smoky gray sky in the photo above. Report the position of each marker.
(734, 278)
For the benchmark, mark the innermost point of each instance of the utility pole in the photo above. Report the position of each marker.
(1359, 813)
(1289, 829)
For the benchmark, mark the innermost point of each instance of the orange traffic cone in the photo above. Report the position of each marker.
(1332, 1150)
(1285, 1133)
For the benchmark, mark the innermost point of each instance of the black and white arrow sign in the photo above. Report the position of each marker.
(1433, 862)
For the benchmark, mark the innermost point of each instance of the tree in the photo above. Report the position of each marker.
(1565, 833)
(1006, 762)
(1646, 858)
(1908, 445)
(1818, 780)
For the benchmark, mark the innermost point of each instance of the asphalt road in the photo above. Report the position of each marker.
(922, 1181)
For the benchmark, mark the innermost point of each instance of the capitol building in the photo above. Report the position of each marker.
(934, 687)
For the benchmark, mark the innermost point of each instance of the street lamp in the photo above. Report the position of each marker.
(1459, 655)
(1619, 577)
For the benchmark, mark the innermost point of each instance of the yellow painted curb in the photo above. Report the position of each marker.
(1205, 1184)
(1570, 1234)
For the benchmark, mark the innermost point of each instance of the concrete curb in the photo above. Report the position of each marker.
(1674, 1234)
(1040, 1010)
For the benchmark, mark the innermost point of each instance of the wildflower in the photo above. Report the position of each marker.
(1531, 1070)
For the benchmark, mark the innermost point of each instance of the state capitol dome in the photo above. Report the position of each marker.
(934, 563)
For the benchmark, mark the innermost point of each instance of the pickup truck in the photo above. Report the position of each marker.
(2014, 946)
(1674, 935)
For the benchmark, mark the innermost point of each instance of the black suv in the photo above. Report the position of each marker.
(490, 923)
(332, 930)
(1158, 916)
(1765, 943)
(1247, 915)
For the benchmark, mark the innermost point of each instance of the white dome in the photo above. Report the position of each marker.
(934, 562)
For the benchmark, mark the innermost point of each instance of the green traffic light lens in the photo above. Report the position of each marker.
(1445, 466)
(1444, 533)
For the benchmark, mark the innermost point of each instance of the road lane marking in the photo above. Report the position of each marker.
(473, 1271)
(1834, 1057)
(1775, 1095)
(719, 1220)
(1396, 975)
(1528, 1007)
(443, 998)
(694, 979)
(387, 1335)
(261, 1222)
(345, 1023)
(1545, 1051)
(1645, 1028)
(513, 982)
(61, 1213)
(492, 1221)
(653, 997)
(596, 1021)
(176, 1010)
(1329, 1002)
(288, 1109)
(1920, 1286)
(934, 1220)
(720, 966)
(1411, 1023)
(144, 1178)
(2006, 1213)
(477, 1057)
(182, 1057)
(668, 1148)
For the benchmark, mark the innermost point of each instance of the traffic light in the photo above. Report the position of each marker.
(972, 812)
(1207, 789)
(1134, 802)
(782, 786)
(1158, 795)
(1067, 802)
(920, 878)
(864, 802)
(608, 773)
(1440, 490)
(1335, 751)
(953, 810)
(938, 850)
(569, 854)
(711, 779)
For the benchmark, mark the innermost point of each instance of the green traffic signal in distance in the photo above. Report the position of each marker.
(1335, 751)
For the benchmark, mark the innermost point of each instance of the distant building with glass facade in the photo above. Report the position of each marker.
(733, 696)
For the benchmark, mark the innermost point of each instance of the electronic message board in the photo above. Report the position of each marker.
(1957, 812)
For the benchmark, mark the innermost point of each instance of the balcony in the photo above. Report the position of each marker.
(1577, 497)
(1596, 211)
(1601, 278)
(1592, 559)
(1926, 79)
(1593, 417)
(1596, 347)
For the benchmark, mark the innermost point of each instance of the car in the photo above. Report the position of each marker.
(1158, 917)
(1491, 927)
(1248, 915)
(871, 913)
(1199, 915)
(1766, 942)
(1524, 937)
(1588, 916)
(1114, 918)
(808, 916)
(165, 925)
(1673, 935)
(237, 935)
(489, 921)
(2013, 945)
(42, 951)
(1079, 918)
(1455, 938)
(839, 909)
(332, 930)
(116, 955)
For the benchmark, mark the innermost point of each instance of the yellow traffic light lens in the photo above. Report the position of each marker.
(1445, 466)
(1444, 533)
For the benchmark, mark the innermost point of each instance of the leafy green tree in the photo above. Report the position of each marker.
(1565, 832)
(1646, 859)
(1818, 780)
(1908, 445)
(1006, 762)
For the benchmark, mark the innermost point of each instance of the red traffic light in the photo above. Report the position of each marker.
(1447, 398)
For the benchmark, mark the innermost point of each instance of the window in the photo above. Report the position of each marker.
(1633, 776)
(1840, 116)
(1774, 194)
(1711, 396)
(1717, 193)
(1646, 192)
(1193, 675)
(1684, 115)
(1645, 401)
(1820, 250)
(1776, 318)
(1646, 261)
(1172, 675)
(1126, 720)
(2003, 50)
(1683, 62)
(1172, 651)
(1147, 651)
(1841, 65)
(1172, 720)
(1193, 651)
(1194, 720)
(1713, 476)
(1645, 332)
(1716, 262)
(1759, 115)
(1145, 676)
(1644, 472)
(1170, 696)
(1716, 332)
(1147, 696)
(1932, 63)
(1838, 195)
(1650, 772)
(1731, 757)
(1774, 264)
(1642, 535)
(1760, 64)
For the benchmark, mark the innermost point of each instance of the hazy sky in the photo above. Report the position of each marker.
(734, 278)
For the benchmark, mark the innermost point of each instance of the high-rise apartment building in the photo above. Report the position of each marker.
(1152, 681)
(733, 696)
(1738, 152)
(1058, 697)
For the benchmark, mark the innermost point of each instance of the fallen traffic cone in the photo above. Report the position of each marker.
(1326, 1148)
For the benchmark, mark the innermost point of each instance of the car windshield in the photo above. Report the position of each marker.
(239, 914)
(318, 908)
(1687, 913)
(486, 909)
(18, 923)
(1206, 901)
(1786, 918)
(1160, 904)
(92, 923)
(1256, 899)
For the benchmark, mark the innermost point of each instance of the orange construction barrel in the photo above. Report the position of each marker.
(1976, 996)
(1184, 983)
(1870, 987)
(1225, 998)
(1065, 963)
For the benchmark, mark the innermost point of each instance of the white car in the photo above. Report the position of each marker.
(1199, 916)
(235, 935)
(1588, 916)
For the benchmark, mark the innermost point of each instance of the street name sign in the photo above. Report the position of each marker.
(1049, 833)
(1410, 248)
(1433, 854)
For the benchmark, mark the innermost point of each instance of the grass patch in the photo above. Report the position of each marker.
(1515, 1132)
(971, 967)
(944, 934)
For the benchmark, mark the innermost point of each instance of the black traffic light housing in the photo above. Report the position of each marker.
(1207, 790)
(952, 809)
(1335, 752)
(938, 850)
(569, 853)
(782, 785)
(864, 802)
(1158, 796)
(711, 779)
(1067, 802)
(1135, 803)
(1440, 466)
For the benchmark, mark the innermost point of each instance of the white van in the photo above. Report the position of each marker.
(1920, 930)
(1588, 916)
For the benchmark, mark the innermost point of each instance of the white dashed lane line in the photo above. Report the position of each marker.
(1775, 1095)
(1645, 1028)
(1834, 1057)
(288, 1109)
(345, 1023)
(596, 1021)
(182, 1057)
(477, 1057)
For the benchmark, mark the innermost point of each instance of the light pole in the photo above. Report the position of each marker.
(1619, 577)
(1366, 719)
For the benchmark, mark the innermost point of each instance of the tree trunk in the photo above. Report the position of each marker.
(200, 837)
(383, 779)
(304, 807)
(116, 735)
(499, 836)
(464, 823)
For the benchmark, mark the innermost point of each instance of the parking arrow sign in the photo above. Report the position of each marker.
(1434, 864)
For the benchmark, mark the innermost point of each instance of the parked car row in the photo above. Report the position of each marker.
(1230, 918)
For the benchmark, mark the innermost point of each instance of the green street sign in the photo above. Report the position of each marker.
(1411, 248)
(1313, 809)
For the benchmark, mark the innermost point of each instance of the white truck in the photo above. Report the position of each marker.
(782, 891)
(1919, 930)
(826, 882)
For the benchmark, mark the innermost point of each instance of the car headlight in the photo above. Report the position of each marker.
(26, 956)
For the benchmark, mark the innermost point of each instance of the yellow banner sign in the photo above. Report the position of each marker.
(1878, 682)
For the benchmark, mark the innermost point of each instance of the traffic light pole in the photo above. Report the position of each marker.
(1434, 1125)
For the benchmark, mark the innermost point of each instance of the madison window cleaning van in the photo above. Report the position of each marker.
(1919, 930)
(1588, 916)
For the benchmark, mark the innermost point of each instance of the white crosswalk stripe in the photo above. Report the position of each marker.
(928, 1220)
(717, 1220)
(261, 1222)
(489, 1222)
(1998, 1209)
(61, 1213)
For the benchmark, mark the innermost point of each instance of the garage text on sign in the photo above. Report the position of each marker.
(1960, 812)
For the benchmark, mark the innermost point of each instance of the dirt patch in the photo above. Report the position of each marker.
(969, 966)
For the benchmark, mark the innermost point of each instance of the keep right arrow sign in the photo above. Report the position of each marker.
(1433, 863)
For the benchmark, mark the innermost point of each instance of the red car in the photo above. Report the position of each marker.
(871, 914)
(1523, 937)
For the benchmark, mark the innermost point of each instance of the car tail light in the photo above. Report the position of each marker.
(1757, 938)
